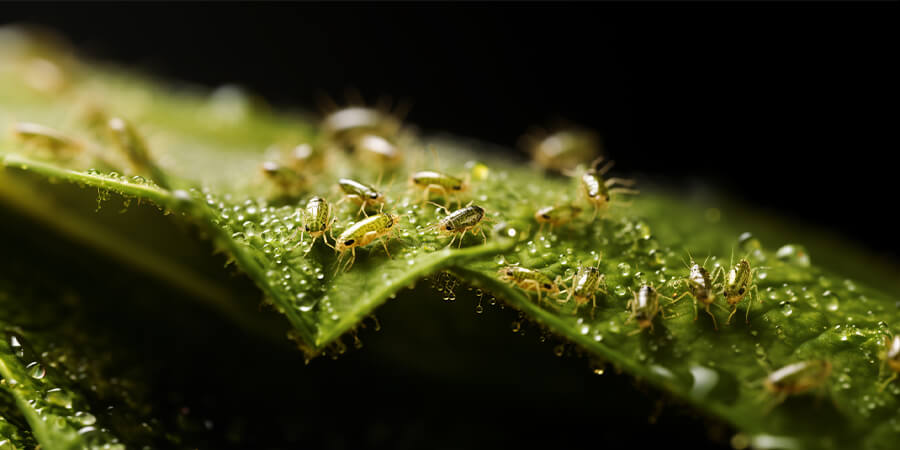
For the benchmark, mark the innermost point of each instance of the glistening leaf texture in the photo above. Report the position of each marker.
(210, 146)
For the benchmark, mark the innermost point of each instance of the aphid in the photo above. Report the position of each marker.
(529, 280)
(363, 233)
(598, 191)
(459, 222)
(130, 143)
(891, 358)
(556, 215)
(738, 283)
(586, 282)
(289, 181)
(44, 137)
(342, 126)
(431, 181)
(378, 150)
(701, 286)
(317, 220)
(360, 193)
(797, 378)
(563, 150)
(644, 307)
(305, 158)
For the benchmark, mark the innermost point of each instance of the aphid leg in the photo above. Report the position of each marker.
(362, 209)
(885, 384)
(451, 241)
(384, 244)
(352, 259)
(606, 167)
(619, 181)
(620, 190)
(733, 310)
(715, 325)
(483, 237)
(676, 299)
(754, 293)
(311, 244)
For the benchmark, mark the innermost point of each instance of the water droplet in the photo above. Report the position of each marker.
(85, 418)
(624, 269)
(479, 309)
(59, 397)
(793, 254)
(36, 370)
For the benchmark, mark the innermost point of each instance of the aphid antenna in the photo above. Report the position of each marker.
(353, 96)
(324, 102)
(404, 106)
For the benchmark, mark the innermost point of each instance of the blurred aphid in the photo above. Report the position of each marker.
(42, 137)
(305, 158)
(377, 150)
(556, 215)
(290, 183)
(563, 150)
(797, 378)
(529, 280)
(343, 126)
(132, 146)
(644, 307)
(891, 357)
(431, 181)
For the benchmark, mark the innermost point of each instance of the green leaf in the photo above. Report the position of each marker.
(209, 148)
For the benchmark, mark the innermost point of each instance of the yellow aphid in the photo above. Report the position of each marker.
(891, 357)
(556, 215)
(44, 137)
(363, 233)
(431, 181)
(372, 148)
(529, 280)
(563, 150)
(597, 191)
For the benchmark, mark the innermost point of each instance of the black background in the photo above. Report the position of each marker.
(791, 107)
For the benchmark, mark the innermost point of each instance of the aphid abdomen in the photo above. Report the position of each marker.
(319, 212)
(464, 219)
(431, 178)
(593, 185)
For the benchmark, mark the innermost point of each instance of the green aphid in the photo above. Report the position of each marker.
(45, 137)
(644, 307)
(129, 142)
(556, 215)
(344, 126)
(289, 181)
(797, 378)
(317, 220)
(363, 233)
(431, 181)
(739, 281)
(598, 191)
(586, 282)
(461, 221)
(360, 193)
(702, 287)
(529, 280)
